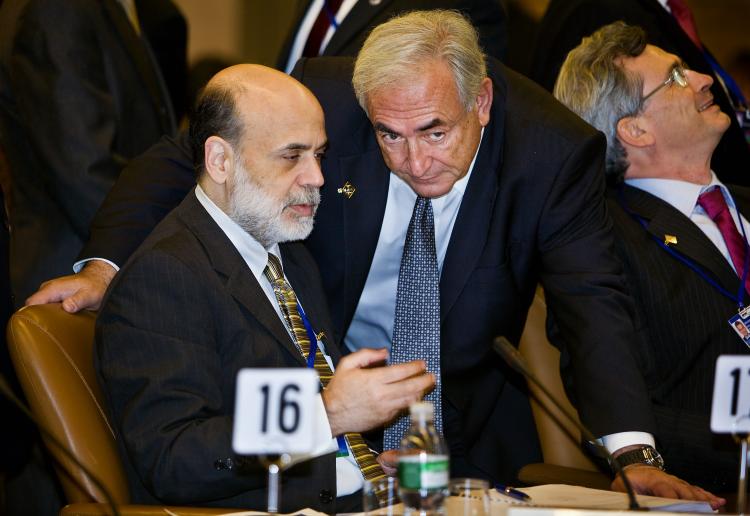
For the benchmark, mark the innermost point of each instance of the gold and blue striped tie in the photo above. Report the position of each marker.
(287, 300)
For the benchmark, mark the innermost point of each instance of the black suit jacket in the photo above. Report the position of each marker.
(533, 211)
(181, 318)
(568, 21)
(79, 96)
(488, 16)
(682, 329)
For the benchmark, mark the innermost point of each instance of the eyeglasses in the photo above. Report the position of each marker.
(676, 75)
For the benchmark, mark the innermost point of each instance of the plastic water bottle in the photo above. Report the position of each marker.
(423, 464)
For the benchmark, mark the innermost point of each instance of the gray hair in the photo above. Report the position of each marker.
(215, 114)
(398, 49)
(594, 84)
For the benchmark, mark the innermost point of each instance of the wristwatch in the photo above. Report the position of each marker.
(643, 455)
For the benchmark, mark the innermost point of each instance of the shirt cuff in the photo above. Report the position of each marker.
(79, 264)
(614, 442)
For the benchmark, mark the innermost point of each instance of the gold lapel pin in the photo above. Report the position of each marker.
(320, 336)
(670, 239)
(348, 189)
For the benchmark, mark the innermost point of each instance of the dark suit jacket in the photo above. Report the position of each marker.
(682, 328)
(79, 96)
(488, 16)
(568, 21)
(180, 320)
(533, 211)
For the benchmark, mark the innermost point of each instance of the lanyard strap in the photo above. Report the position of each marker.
(740, 297)
(341, 439)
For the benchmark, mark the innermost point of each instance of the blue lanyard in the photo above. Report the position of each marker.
(740, 297)
(310, 336)
(341, 440)
(331, 15)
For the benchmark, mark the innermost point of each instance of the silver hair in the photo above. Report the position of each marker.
(399, 49)
(593, 83)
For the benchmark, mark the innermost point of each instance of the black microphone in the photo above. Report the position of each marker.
(515, 360)
(8, 393)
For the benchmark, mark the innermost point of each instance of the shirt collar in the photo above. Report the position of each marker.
(663, 3)
(254, 254)
(681, 195)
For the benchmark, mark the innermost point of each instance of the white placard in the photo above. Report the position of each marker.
(274, 411)
(730, 412)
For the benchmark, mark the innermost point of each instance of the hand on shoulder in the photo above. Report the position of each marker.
(82, 291)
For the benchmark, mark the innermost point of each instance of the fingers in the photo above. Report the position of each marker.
(54, 291)
(83, 299)
(362, 358)
(388, 460)
(652, 481)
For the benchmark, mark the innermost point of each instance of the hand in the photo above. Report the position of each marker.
(359, 398)
(84, 290)
(388, 460)
(649, 480)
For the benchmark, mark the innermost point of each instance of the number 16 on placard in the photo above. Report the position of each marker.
(730, 411)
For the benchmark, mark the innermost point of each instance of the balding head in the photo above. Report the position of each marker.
(258, 136)
(245, 97)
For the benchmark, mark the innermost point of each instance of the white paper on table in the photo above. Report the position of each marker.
(576, 497)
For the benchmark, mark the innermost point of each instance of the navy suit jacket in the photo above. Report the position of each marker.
(533, 211)
(682, 329)
(181, 318)
(568, 21)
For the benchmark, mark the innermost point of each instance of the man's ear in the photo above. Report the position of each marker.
(484, 101)
(219, 157)
(631, 131)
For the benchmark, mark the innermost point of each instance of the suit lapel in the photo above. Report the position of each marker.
(363, 216)
(470, 231)
(662, 219)
(357, 19)
(144, 62)
(230, 266)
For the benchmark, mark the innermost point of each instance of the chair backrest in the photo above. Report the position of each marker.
(544, 360)
(52, 355)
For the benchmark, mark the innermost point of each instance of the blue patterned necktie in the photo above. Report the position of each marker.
(416, 327)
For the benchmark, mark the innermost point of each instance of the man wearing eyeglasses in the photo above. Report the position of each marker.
(680, 232)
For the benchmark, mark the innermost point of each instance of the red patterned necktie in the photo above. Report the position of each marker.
(716, 208)
(320, 27)
(684, 17)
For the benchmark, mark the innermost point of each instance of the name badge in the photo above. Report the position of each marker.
(740, 323)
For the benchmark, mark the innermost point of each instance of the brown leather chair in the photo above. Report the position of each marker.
(52, 355)
(564, 461)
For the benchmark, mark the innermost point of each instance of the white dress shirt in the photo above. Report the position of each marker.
(348, 475)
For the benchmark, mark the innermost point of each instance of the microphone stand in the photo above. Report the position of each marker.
(514, 359)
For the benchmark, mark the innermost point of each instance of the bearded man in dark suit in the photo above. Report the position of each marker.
(516, 196)
(168, 369)
(662, 126)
